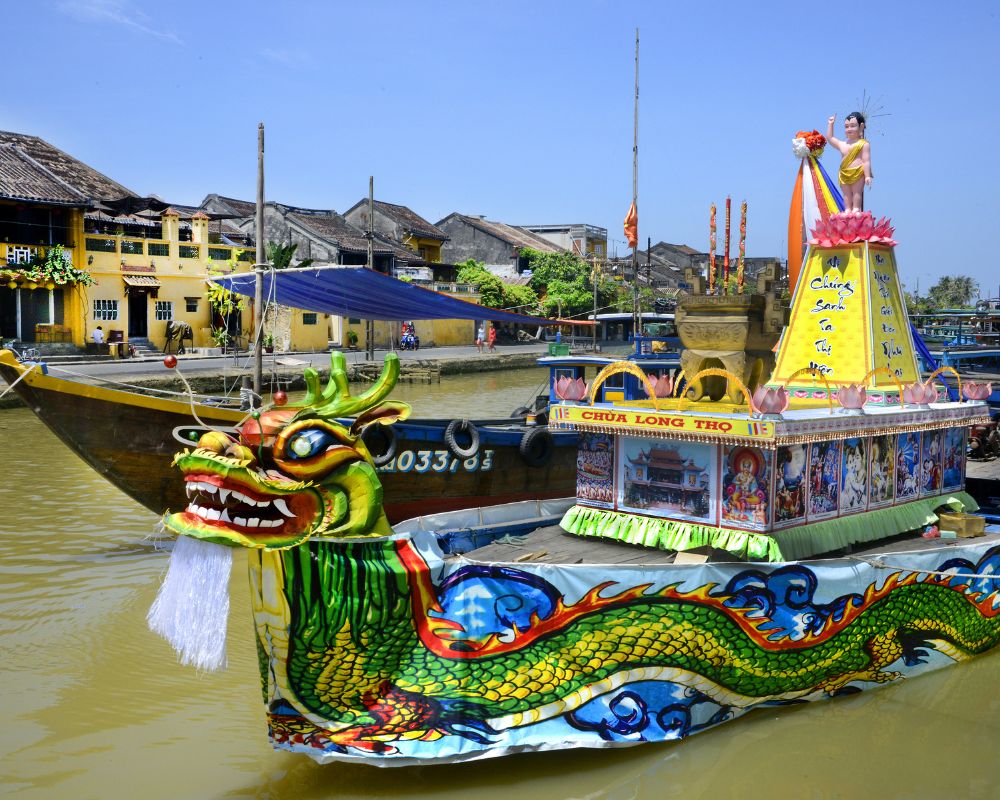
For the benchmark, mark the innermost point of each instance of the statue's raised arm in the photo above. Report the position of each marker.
(856, 163)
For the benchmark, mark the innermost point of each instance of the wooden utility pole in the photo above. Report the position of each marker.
(259, 266)
(593, 277)
(370, 235)
(636, 317)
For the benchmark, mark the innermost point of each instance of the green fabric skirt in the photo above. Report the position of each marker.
(783, 545)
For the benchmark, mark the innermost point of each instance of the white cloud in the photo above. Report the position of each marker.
(118, 12)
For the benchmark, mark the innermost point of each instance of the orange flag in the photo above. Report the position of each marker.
(632, 226)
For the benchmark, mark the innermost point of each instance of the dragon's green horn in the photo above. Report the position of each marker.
(380, 389)
(335, 400)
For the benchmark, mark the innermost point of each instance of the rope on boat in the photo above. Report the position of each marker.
(878, 563)
(111, 382)
(19, 379)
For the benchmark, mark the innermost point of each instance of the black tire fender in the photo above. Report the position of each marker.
(382, 442)
(469, 429)
(537, 447)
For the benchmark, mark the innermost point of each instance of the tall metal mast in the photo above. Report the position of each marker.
(636, 316)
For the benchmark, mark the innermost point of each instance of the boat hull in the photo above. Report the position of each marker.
(130, 439)
(559, 655)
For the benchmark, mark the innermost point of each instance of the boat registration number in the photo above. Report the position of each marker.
(438, 461)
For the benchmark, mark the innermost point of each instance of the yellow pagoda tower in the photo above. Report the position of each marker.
(848, 320)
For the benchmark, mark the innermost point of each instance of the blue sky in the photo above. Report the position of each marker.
(522, 111)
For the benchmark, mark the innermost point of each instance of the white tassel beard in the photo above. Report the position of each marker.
(191, 609)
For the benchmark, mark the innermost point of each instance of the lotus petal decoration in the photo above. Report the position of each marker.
(977, 391)
(853, 396)
(571, 388)
(850, 227)
(768, 400)
(913, 394)
(663, 386)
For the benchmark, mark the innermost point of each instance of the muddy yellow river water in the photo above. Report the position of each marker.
(95, 706)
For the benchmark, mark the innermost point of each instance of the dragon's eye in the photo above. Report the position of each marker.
(308, 443)
(311, 448)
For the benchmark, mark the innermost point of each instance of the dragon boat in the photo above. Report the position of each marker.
(787, 527)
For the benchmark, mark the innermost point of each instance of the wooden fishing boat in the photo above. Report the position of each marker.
(131, 438)
(435, 465)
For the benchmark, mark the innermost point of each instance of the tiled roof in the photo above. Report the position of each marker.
(408, 220)
(331, 226)
(22, 178)
(85, 180)
(240, 208)
(517, 237)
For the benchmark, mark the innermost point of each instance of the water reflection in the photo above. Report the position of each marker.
(96, 705)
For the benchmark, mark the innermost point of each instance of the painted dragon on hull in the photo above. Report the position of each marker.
(373, 646)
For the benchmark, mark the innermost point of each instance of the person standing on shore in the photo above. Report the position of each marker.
(479, 339)
(491, 339)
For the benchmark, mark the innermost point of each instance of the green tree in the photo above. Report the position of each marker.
(565, 283)
(493, 292)
(952, 291)
(280, 255)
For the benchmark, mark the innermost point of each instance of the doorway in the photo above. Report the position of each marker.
(138, 326)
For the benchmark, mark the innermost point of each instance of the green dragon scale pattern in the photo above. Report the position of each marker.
(370, 657)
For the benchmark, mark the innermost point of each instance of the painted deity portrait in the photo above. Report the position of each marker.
(930, 460)
(745, 487)
(854, 475)
(907, 465)
(953, 458)
(790, 484)
(595, 469)
(882, 472)
(667, 479)
(824, 478)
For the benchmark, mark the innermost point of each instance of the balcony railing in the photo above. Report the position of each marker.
(14, 253)
(129, 246)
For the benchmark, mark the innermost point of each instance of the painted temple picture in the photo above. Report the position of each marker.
(854, 475)
(746, 487)
(824, 479)
(881, 473)
(930, 473)
(907, 465)
(673, 480)
(595, 469)
(790, 484)
(953, 459)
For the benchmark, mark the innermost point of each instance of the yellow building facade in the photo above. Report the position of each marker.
(141, 283)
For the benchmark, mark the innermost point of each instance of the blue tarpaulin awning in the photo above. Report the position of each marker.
(365, 294)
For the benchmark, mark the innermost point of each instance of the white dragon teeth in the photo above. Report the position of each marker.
(240, 521)
(223, 494)
(280, 504)
(253, 522)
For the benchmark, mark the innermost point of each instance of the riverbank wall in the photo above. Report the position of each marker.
(226, 382)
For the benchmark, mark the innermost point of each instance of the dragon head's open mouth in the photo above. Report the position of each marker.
(233, 503)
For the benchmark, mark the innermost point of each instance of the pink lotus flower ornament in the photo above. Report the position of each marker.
(770, 401)
(571, 388)
(852, 397)
(977, 391)
(919, 394)
(850, 227)
(663, 386)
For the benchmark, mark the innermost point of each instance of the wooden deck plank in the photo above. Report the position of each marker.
(553, 545)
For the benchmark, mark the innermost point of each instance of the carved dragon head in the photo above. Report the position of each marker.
(295, 471)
